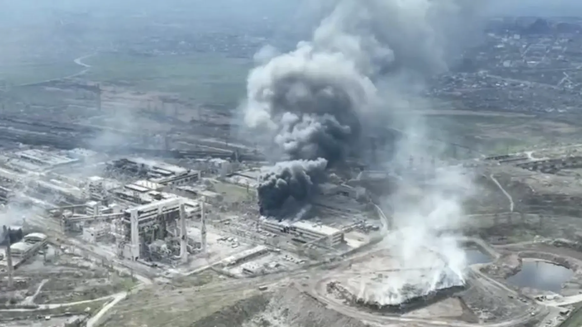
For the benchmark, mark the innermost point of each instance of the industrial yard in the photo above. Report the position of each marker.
(140, 230)
(138, 187)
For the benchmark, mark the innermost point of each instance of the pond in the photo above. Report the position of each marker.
(541, 275)
(475, 256)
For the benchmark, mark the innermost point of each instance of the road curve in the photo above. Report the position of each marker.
(78, 61)
(511, 204)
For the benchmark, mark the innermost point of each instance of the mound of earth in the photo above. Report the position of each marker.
(287, 307)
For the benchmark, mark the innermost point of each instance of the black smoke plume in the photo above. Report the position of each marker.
(289, 179)
(313, 102)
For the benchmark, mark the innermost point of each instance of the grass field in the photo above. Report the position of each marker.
(495, 134)
(575, 319)
(36, 72)
(209, 79)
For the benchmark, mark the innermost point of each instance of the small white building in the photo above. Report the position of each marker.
(246, 255)
(95, 233)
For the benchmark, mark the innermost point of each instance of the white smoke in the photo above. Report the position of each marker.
(265, 54)
(315, 101)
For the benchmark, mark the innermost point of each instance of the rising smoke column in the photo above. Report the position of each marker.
(313, 102)
(289, 179)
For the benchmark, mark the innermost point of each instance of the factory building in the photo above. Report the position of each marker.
(158, 172)
(146, 223)
(140, 195)
(94, 208)
(20, 249)
(247, 178)
(96, 233)
(8, 176)
(217, 166)
(29, 245)
(246, 255)
(5, 194)
(34, 238)
(69, 193)
(304, 231)
(38, 159)
(96, 191)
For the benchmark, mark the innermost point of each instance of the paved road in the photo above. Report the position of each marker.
(29, 300)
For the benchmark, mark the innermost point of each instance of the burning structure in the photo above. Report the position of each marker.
(316, 102)
(295, 179)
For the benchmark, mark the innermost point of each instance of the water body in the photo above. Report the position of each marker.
(541, 275)
(476, 256)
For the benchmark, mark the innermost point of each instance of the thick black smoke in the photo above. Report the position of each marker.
(289, 179)
(313, 101)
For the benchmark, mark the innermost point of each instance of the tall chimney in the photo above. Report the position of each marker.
(203, 224)
(10, 268)
(183, 235)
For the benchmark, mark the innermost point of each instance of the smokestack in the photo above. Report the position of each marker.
(10, 268)
(203, 225)
(183, 235)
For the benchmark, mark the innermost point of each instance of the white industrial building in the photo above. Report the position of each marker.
(45, 159)
(138, 218)
(34, 238)
(95, 189)
(246, 255)
(20, 249)
(95, 233)
(28, 246)
(71, 193)
(304, 231)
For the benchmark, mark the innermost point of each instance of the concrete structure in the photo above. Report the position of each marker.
(70, 193)
(20, 249)
(45, 159)
(203, 225)
(140, 217)
(95, 189)
(304, 231)
(183, 235)
(93, 208)
(95, 233)
(243, 181)
(34, 238)
(153, 186)
(246, 255)
(157, 172)
(211, 197)
(5, 194)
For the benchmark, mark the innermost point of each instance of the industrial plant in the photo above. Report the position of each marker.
(372, 172)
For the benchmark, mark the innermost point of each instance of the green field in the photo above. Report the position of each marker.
(575, 319)
(499, 134)
(13, 75)
(211, 79)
